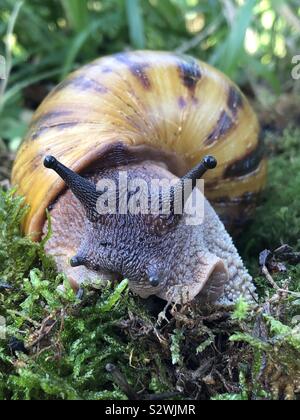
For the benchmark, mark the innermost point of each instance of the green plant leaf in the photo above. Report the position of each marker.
(77, 13)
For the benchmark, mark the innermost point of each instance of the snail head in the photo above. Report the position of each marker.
(159, 253)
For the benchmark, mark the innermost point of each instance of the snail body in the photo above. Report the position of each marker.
(153, 115)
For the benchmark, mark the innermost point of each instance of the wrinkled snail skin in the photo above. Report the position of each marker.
(154, 115)
(186, 260)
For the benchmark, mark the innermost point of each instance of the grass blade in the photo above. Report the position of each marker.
(18, 87)
(76, 46)
(135, 23)
(8, 50)
(233, 46)
(77, 13)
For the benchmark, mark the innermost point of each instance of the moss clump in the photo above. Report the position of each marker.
(277, 219)
(58, 345)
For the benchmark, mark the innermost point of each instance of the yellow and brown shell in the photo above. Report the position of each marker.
(173, 107)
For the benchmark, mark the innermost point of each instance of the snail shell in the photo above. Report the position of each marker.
(173, 108)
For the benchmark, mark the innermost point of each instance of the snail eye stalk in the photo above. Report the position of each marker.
(83, 189)
(177, 192)
(207, 163)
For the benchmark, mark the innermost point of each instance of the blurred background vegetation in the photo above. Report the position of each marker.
(252, 41)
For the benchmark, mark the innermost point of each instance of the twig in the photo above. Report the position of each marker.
(229, 388)
(121, 382)
(42, 332)
(202, 369)
(270, 279)
(38, 354)
(287, 13)
(192, 43)
(163, 396)
(254, 297)
(229, 11)
(26, 318)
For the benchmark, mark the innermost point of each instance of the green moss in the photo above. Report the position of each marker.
(241, 310)
(176, 340)
(273, 334)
